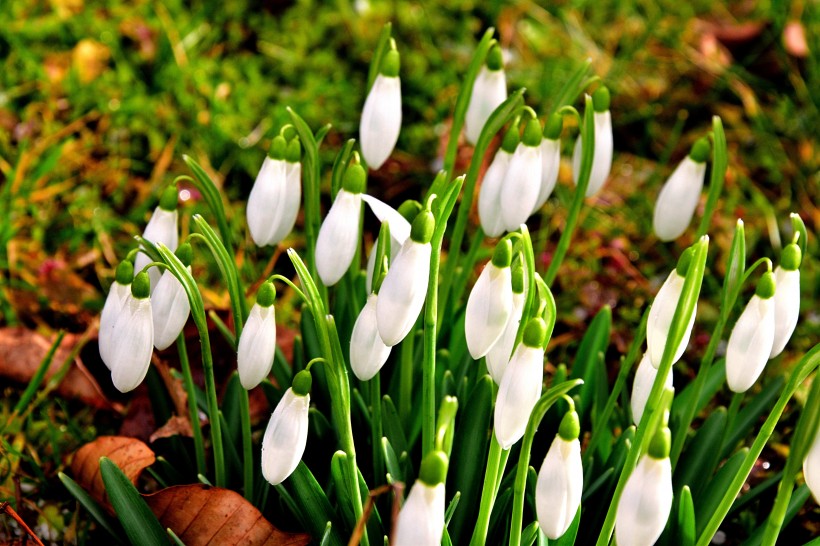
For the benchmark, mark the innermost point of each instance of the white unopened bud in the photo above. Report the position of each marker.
(645, 503)
(644, 379)
(286, 437)
(750, 344)
(368, 353)
(338, 237)
(811, 467)
(559, 487)
(660, 319)
(602, 157)
(489, 90)
(489, 196)
(170, 309)
(402, 293)
(787, 307)
(257, 346)
(678, 199)
(381, 120)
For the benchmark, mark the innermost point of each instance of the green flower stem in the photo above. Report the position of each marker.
(213, 197)
(683, 312)
(247, 446)
(587, 154)
(406, 376)
(382, 46)
(731, 415)
(496, 462)
(720, 162)
(376, 428)
(544, 403)
(804, 368)
(572, 88)
(464, 273)
(193, 413)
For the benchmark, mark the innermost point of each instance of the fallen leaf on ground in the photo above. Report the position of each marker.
(175, 426)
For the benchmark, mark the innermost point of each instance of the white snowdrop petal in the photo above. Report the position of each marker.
(559, 487)
(642, 386)
(550, 166)
(811, 468)
(338, 237)
(489, 196)
(368, 353)
(134, 345)
(111, 311)
(288, 210)
(660, 320)
(266, 200)
(421, 519)
(489, 90)
(399, 227)
(786, 307)
(521, 186)
(602, 158)
(402, 293)
(381, 120)
(500, 353)
(257, 346)
(488, 309)
(645, 503)
(285, 437)
(518, 393)
(169, 309)
(750, 344)
(678, 199)
(161, 228)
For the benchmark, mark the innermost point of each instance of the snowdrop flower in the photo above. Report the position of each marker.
(679, 196)
(663, 311)
(786, 298)
(339, 234)
(404, 288)
(644, 379)
(257, 343)
(490, 302)
(489, 91)
(274, 200)
(522, 182)
(286, 436)
(399, 225)
(602, 157)
(560, 480)
(130, 352)
(647, 497)
(117, 295)
(550, 159)
(381, 116)
(368, 353)
(811, 466)
(501, 351)
(489, 197)
(161, 228)
(421, 519)
(169, 303)
(520, 385)
(751, 340)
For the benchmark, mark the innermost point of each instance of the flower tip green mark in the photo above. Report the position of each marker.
(536, 333)
(601, 99)
(434, 468)
(390, 63)
(570, 427)
(302, 383)
(495, 58)
(700, 150)
(502, 256)
(141, 286)
(766, 285)
(169, 198)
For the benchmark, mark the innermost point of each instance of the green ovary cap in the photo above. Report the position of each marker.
(390, 64)
(294, 151)
(434, 468)
(518, 278)
(301, 383)
(495, 60)
(511, 139)
(266, 294)
(410, 209)
(765, 286)
(288, 131)
(600, 99)
(125, 272)
(570, 427)
(660, 444)
(700, 150)
(141, 286)
(535, 334)
(354, 179)
(532, 133)
(185, 254)
(554, 126)
(278, 148)
(168, 201)
(422, 229)
(502, 257)
(683, 261)
(791, 257)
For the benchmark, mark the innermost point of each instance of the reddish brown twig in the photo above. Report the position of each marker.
(5, 508)
(368, 508)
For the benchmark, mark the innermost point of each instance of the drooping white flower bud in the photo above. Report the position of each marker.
(489, 196)
(286, 435)
(550, 159)
(501, 352)
(120, 290)
(169, 303)
(520, 385)
(490, 303)
(644, 379)
(663, 311)
(381, 116)
(257, 343)
(274, 200)
(786, 298)
(679, 196)
(399, 230)
(522, 182)
(421, 519)
(560, 480)
(489, 91)
(811, 466)
(339, 234)
(132, 345)
(602, 158)
(368, 353)
(751, 340)
(161, 228)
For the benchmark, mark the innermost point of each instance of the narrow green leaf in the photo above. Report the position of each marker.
(747, 419)
(720, 162)
(97, 512)
(686, 519)
(174, 537)
(393, 429)
(530, 534)
(340, 166)
(378, 52)
(37, 378)
(733, 281)
(799, 227)
(588, 364)
(716, 488)
(451, 508)
(312, 506)
(394, 469)
(568, 538)
(700, 458)
(140, 524)
(571, 88)
(213, 197)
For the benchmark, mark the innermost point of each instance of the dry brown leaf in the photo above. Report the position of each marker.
(202, 515)
(130, 454)
(175, 426)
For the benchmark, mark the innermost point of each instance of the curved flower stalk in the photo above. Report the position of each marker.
(602, 160)
(161, 228)
(381, 116)
(647, 498)
(489, 90)
(786, 298)
(499, 354)
(399, 229)
(339, 234)
(751, 340)
(644, 379)
(520, 385)
(286, 435)
(560, 480)
(368, 353)
(679, 196)
(811, 466)
(421, 519)
(117, 295)
(169, 303)
(663, 311)
(130, 353)
(550, 158)
(522, 182)
(490, 303)
(257, 343)
(402, 293)
(273, 203)
(489, 196)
